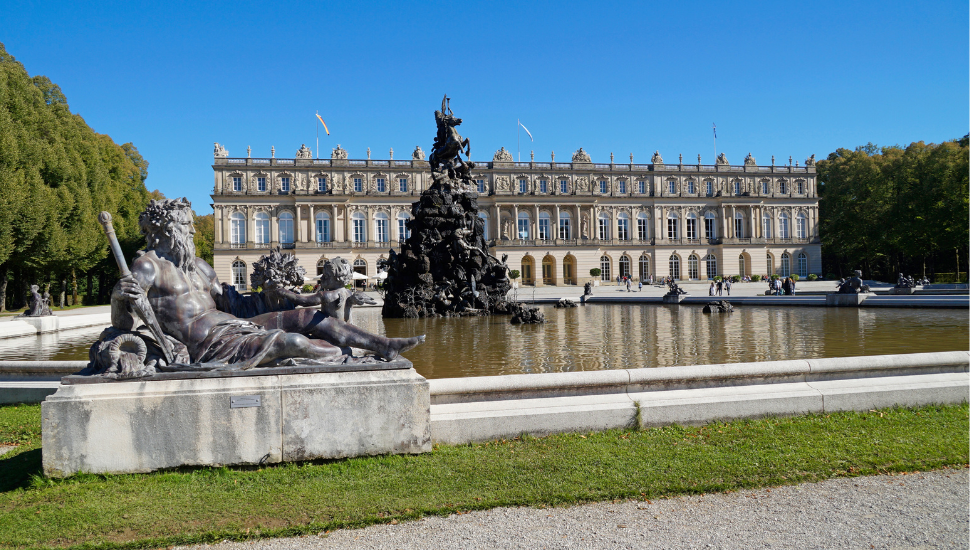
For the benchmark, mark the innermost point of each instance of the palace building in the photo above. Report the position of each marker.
(555, 220)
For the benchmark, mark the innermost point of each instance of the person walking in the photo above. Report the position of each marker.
(640, 286)
(720, 286)
(778, 287)
(710, 291)
(727, 285)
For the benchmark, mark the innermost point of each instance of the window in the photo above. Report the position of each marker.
(523, 226)
(692, 226)
(322, 222)
(690, 187)
(801, 187)
(523, 185)
(741, 266)
(322, 185)
(693, 267)
(709, 184)
(739, 225)
(644, 266)
(802, 265)
(674, 266)
(359, 185)
(623, 226)
(381, 228)
(625, 266)
(402, 185)
(484, 217)
(481, 185)
(403, 233)
(564, 186)
(783, 187)
(237, 229)
(261, 223)
(360, 227)
(783, 229)
(766, 226)
(605, 268)
(261, 184)
(381, 185)
(673, 231)
(564, 228)
(286, 228)
(604, 226)
(320, 263)
(604, 188)
(236, 184)
(801, 225)
(643, 227)
(239, 275)
(771, 269)
(544, 226)
(543, 186)
(360, 266)
(672, 187)
(285, 184)
(710, 266)
(621, 187)
(710, 226)
(737, 187)
(785, 265)
(642, 187)
(527, 264)
(764, 187)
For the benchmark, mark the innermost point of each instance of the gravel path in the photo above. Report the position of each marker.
(920, 510)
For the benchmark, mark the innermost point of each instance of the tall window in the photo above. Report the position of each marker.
(801, 187)
(285, 184)
(674, 266)
(360, 266)
(261, 223)
(237, 184)
(604, 188)
(672, 187)
(358, 185)
(771, 268)
(381, 185)
(544, 226)
(523, 225)
(690, 187)
(286, 228)
(237, 229)
(564, 228)
(802, 265)
(523, 185)
(564, 186)
(604, 226)
(783, 187)
(543, 186)
(623, 226)
(484, 217)
(783, 230)
(693, 267)
(621, 187)
(710, 266)
(381, 228)
(801, 225)
(764, 187)
(643, 227)
(481, 185)
(624, 266)
(737, 187)
(766, 226)
(322, 184)
(785, 265)
(239, 275)
(644, 266)
(642, 187)
(359, 223)
(692, 226)
(261, 184)
(402, 226)
(741, 267)
(739, 225)
(709, 188)
(605, 268)
(673, 223)
(710, 226)
(402, 185)
(322, 222)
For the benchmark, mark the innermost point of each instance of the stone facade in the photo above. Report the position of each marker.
(555, 220)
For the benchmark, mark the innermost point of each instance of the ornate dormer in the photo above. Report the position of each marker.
(581, 156)
(502, 156)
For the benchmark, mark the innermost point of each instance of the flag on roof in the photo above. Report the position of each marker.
(526, 130)
(324, 124)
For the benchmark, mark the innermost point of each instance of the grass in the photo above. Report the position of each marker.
(211, 504)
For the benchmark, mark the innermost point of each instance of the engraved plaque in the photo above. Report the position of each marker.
(243, 401)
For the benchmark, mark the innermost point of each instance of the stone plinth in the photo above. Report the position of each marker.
(902, 291)
(673, 298)
(845, 300)
(141, 426)
(42, 324)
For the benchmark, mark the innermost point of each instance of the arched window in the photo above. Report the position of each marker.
(286, 228)
(569, 270)
(482, 216)
(802, 265)
(673, 226)
(261, 222)
(320, 263)
(739, 225)
(674, 266)
(691, 226)
(382, 232)
(239, 275)
(565, 230)
(605, 268)
(527, 270)
(710, 226)
(693, 267)
(359, 223)
(710, 266)
(623, 226)
(783, 230)
(624, 266)
(548, 270)
(785, 265)
(545, 226)
(523, 225)
(237, 230)
(322, 221)
(766, 226)
(644, 267)
(771, 265)
(741, 265)
(643, 227)
(801, 225)
(603, 222)
(360, 266)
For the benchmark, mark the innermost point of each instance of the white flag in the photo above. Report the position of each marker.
(526, 130)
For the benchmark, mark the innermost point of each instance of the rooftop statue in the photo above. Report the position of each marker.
(810, 161)
(749, 160)
(177, 295)
(502, 155)
(304, 152)
(657, 159)
(721, 159)
(581, 156)
(339, 153)
(219, 151)
(418, 154)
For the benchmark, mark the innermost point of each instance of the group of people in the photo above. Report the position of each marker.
(719, 287)
(782, 287)
(628, 281)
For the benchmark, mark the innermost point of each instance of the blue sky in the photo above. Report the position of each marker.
(778, 78)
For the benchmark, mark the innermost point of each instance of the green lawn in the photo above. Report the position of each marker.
(211, 504)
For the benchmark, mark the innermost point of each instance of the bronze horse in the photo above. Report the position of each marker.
(448, 144)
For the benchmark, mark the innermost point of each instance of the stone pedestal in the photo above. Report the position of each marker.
(46, 323)
(902, 291)
(132, 426)
(845, 300)
(673, 298)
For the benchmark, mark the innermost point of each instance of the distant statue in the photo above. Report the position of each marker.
(445, 159)
(37, 305)
(553, 156)
(722, 159)
(588, 288)
(368, 153)
(905, 282)
(339, 153)
(853, 285)
(674, 289)
(581, 156)
(656, 158)
(304, 152)
(418, 154)
(249, 151)
(749, 160)
(219, 151)
(507, 229)
(502, 156)
(585, 227)
(810, 161)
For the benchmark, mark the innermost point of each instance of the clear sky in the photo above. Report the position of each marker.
(778, 78)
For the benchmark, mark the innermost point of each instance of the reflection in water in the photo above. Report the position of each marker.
(600, 337)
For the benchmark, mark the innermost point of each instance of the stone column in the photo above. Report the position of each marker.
(535, 223)
(496, 223)
(300, 234)
(734, 213)
(220, 219)
(336, 236)
(313, 225)
(515, 222)
(274, 228)
(555, 230)
(251, 226)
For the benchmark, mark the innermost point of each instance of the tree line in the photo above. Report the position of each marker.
(890, 210)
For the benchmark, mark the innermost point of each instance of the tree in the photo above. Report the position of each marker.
(204, 237)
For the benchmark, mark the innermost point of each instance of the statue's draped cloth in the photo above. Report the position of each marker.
(236, 341)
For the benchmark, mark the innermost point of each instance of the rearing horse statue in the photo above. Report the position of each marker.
(448, 144)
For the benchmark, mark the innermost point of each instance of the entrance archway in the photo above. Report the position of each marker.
(528, 271)
(569, 270)
(549, 270)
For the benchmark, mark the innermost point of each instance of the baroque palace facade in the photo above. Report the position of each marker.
(555, 220)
